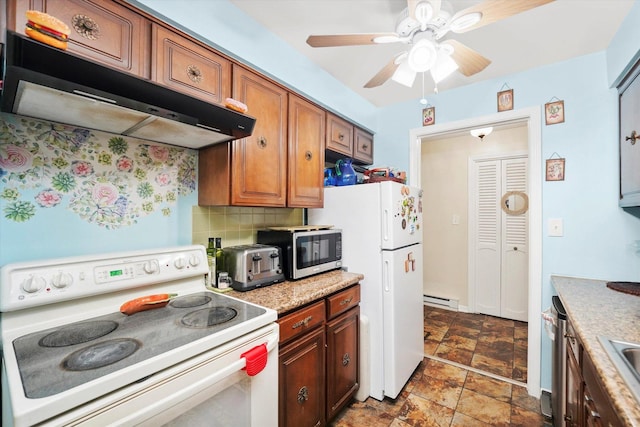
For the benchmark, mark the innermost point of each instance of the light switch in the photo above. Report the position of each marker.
(555, 227)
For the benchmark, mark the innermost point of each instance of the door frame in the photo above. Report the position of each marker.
(472, 223)
(532, 117)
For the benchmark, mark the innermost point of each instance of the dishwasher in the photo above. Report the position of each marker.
(558, 363)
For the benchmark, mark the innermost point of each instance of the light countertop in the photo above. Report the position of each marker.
(596, 310)
(289, 295)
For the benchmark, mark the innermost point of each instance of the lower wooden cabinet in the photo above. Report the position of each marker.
(319, 359)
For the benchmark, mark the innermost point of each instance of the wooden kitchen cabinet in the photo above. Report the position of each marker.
(187, 67)
(101, 30)
(630, 139)
(319, 359)
(346, 140)
(305, 154)
(251, 171)
(587, 403)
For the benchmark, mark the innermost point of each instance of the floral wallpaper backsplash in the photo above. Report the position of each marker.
(111, 181)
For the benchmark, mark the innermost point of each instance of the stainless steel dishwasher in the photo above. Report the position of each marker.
(558, 363)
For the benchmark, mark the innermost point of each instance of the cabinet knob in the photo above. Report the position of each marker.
(194, 73)
(341, 136)
(365, 146)
(308, 155)
(346, 359)
(262, 142)
(633, 137)
(86, 27)
(303, 395)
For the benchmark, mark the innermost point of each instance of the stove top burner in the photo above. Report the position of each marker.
(101, 354)
(207, 317)
(190, 301)
(78, 333)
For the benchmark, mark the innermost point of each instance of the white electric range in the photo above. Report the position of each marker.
(70, 357)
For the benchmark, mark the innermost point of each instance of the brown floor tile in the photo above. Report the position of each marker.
(430, 347)
(364, 414)
(442, 392)
(454, 354)
(520, 397)
(491, 337)
(498, 350)
(488, 386)
(464, 331)
(445, 371)
(458, 341)
(524, 418)
(422, 412)
(494, 366)
(484, 408)
(435, 330)
(462, 420)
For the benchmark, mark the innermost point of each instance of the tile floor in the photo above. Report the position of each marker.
(442, 393)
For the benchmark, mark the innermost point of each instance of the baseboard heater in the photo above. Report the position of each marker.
(441, 302)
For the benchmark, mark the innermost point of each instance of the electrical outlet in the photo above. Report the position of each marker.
(555, 227)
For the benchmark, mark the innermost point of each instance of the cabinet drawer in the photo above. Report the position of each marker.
(363, 147)
(339, 135)
(301, 321)
(343, 301)
(573, 343)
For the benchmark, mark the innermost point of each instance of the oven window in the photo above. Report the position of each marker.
(315, 250)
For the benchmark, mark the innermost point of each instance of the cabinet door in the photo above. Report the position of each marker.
(101, 30)
(574, 392)
(302, 373)
(339, 136)
(259, 162)
(342, 360)
(188, 67)
(306, 154)
(630, 148)
(363, 147)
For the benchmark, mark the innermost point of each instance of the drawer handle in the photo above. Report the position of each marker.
(570, 338)
(303, 322)
(346, 301)
(365, 146)
(346, 359)
(86, 27)
(308, 155)
(303, 394)
(341, 136)
(633, 137)
(194, 74)
(262, 142)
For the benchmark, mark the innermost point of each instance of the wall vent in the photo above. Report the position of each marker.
(449, 303)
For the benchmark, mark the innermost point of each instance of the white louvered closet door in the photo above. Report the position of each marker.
(515, 249)
(501, 248)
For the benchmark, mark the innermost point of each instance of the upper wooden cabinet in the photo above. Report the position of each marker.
(188, 67)
(101, 30)
(305, 154)
(346, 140)
(630, 139)
(252, 170)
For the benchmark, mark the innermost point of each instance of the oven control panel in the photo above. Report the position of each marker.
(43, 282)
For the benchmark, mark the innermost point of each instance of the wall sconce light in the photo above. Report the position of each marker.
(481, 132)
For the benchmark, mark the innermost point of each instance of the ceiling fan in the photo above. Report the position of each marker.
(422, 26)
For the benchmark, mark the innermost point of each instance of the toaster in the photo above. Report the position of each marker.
(252, 266)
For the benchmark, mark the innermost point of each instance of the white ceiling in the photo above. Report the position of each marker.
(554, 32)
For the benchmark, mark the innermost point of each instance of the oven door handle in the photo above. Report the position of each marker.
(159, 405)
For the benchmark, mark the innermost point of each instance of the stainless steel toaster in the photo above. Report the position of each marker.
(252, 266)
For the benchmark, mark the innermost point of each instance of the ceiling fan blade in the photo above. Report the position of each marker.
(495, 10)
(469, 61)
(350, 39)
(411, 5)
(384, 74)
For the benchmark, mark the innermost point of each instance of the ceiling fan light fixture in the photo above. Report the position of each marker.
(481, 132)
(463, 22)
(443, 66)
(404, 75)
(422, 56)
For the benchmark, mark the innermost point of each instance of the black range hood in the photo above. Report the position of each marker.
(50, 84)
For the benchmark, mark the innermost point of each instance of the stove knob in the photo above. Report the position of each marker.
(194, 260)
(34, 284)
(62, 280)
(180, 263)
(151, 267)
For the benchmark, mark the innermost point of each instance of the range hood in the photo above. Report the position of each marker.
(50, 84)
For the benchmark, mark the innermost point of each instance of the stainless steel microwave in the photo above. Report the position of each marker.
(305, 253)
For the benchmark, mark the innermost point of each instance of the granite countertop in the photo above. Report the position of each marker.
(289, 295)
(596, 310)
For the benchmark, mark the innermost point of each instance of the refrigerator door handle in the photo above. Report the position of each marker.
(385, 275)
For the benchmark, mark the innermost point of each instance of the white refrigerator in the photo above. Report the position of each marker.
(382, 238)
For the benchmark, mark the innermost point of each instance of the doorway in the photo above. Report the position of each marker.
(531, 117)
